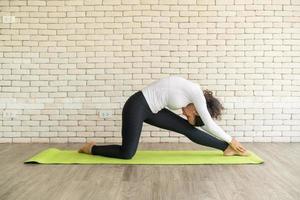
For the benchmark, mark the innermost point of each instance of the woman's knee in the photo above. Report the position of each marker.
(127, 154)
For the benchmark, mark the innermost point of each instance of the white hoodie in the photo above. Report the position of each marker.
(176, 92)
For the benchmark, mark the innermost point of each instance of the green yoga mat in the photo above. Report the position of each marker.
(153, 157)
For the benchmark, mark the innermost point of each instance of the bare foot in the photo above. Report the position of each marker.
(86, 148)
(229, 151)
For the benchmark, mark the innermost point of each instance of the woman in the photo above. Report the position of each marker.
(148, 105)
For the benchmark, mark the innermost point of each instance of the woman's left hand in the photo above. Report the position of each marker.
(236, 145)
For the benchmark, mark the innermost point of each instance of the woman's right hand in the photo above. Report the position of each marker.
(236, 145)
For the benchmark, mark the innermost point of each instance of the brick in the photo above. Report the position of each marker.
(97, 53)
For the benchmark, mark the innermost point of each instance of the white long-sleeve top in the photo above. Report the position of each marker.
(176, 92)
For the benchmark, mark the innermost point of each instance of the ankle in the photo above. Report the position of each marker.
(91, 148)
(227, 148)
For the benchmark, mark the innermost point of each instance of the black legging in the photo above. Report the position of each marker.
(136, 111)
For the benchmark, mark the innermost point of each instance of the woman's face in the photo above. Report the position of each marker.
(190, 112)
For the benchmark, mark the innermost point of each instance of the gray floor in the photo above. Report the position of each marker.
(277, 178)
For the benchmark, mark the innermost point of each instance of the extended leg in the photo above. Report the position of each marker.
(169, 120)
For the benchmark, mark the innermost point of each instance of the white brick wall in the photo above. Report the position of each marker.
(63, 61)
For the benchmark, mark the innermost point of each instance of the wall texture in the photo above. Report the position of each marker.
(61, 62)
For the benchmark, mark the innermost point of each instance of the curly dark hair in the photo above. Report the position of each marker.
(214, 106)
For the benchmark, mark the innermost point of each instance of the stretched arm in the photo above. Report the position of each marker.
(199, 101)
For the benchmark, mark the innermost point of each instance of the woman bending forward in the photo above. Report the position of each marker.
(149, 105)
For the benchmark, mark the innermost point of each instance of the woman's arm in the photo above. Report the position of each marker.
(199, 101)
